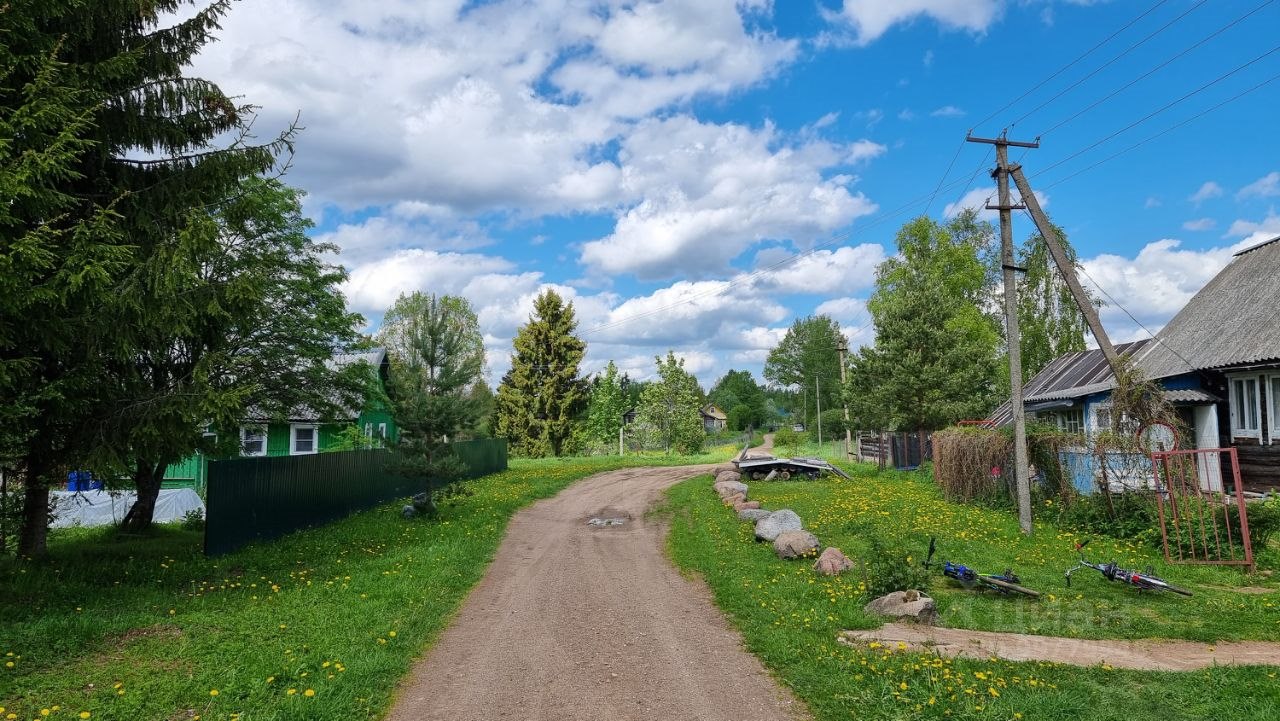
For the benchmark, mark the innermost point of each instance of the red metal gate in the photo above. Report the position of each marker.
(1196, 498)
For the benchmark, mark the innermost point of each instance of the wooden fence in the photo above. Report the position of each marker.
(254, 499)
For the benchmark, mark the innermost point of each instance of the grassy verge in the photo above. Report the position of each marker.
(319, 625)
(790, 616)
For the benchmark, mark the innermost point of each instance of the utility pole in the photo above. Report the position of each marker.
(1013, 335)
(1066, 268)
(817, 396)
(843, 347)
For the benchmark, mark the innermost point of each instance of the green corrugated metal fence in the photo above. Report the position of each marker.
(253, 499)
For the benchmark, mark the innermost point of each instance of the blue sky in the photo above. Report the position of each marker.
(663, 163)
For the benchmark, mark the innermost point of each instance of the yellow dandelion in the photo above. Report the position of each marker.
(309, 692)
(291, 691)
(213, 692)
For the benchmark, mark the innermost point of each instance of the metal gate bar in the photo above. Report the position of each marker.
(1193, 508)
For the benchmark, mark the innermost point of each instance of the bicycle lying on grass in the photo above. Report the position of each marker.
(1146, 581)
(1006, 582)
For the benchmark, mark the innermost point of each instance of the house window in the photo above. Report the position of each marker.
(1273, 398)
(368, 430)
(302, 439)
(1071, 420)
(1102, 417)
(1246, 408)
(253, 441)
(382, 431)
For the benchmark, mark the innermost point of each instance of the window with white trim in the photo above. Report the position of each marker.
(303, 439)
(253, 441)
(1101, 417)
(1273, 399)
(382, 431)
(368, 430)
(1246, 407)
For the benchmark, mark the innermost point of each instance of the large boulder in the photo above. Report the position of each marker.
(728, 488)
(728, 477)
(768, 529)
(743, 505)
(832, 562)
(734, 500)
(795, 544)
(910, 605)
(724, 468)
(753, 514)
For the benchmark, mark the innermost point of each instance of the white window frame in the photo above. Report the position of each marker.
(293, 438)
(1273, 403)
(1093, 422)
(244, 432)
(382, 431)
(368, 430)
(1237, 428)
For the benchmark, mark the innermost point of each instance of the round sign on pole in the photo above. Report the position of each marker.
(1158, 436)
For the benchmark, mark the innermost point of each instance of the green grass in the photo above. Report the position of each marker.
(790, 616)
(148, 628)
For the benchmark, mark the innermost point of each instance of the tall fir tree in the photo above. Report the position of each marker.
(117, 76)
(543, 393)
(669, 407)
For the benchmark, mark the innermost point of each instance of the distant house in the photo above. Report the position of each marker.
(1218, 361)
(303, 434)
(714, 420)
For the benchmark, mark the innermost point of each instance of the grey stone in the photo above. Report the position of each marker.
(753, 514)
(767, 529)
(795, 544)
(832, 562)
(910, 605)
(728, 488)
(742, 505)
(408, 512)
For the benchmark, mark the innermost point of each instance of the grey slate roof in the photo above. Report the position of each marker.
(1234, 320)
(1069, 376)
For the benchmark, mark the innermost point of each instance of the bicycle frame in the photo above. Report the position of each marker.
(1113, 572)
(970, 578)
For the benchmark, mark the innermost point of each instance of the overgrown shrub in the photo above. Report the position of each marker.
(787, 439)
(964, 458)
(193, 520)
(1119, 515)
(1264, 520)
(885, 570)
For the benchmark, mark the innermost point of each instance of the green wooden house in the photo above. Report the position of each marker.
(303, 435)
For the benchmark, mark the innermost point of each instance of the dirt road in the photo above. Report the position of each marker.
(574, 621)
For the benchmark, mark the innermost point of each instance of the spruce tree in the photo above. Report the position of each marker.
(435, 363)
(134, 143)
(542, 394)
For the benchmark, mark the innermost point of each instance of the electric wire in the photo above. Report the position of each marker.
(1157, 68)
(1160, 134)
(1108, 64)
(1069, 65)
(1162, 109)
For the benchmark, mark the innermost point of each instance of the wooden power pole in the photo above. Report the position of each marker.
(843, 347)
(1014, 338)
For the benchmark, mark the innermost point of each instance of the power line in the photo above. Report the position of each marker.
(1117, 304)
(761, 272)
(1108, 64)
(1066, 67)
(1164, 132)
(1157, 68)
(944, 177)
(1163, 108)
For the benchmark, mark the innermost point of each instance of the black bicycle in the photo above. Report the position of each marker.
(1145, 581)
(1006, 582)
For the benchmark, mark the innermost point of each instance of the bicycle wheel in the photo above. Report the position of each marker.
(1011, 587)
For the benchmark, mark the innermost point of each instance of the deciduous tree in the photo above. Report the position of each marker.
(809, 360)
(670, 407)
(935, 357)
(607, 405)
